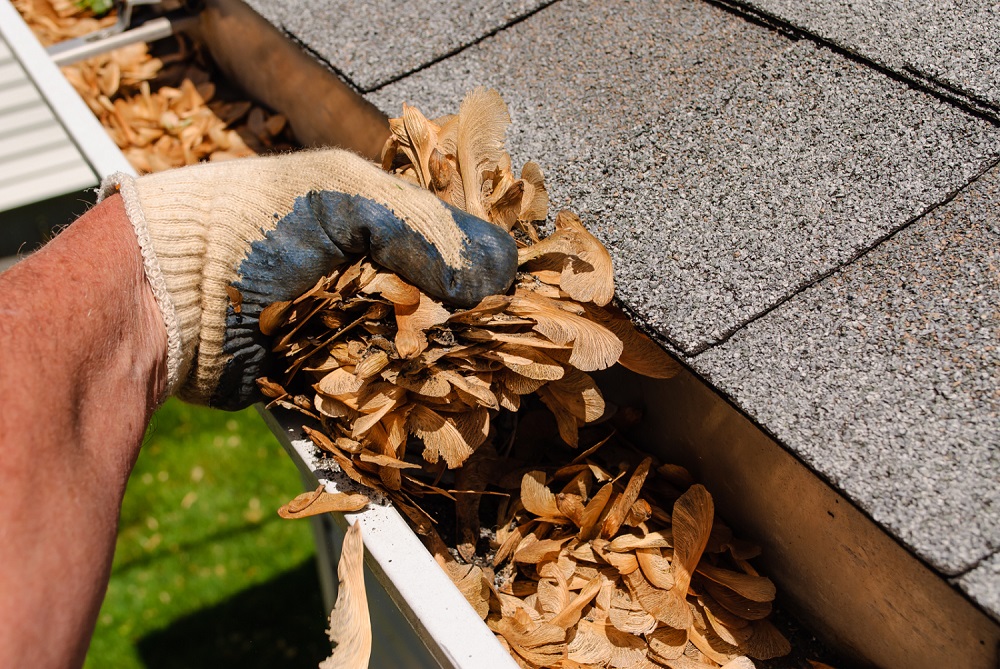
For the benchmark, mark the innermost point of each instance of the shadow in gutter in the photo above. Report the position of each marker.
(279, 623)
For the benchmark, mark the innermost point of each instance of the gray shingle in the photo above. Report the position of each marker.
(884, 378)
(951, 44)
(724, 165)
(983, 584)
(377, 41)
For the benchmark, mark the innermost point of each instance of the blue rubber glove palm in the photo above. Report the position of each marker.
(271, 227)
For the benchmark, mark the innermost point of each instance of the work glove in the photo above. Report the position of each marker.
(270, 228)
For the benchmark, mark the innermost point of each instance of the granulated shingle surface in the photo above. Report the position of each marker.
(983, 584)
(953, 43)
(724, 165)
(376, 41)
(884, 378)
(729, 168)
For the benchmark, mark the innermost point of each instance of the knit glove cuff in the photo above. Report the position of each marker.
(178, 291)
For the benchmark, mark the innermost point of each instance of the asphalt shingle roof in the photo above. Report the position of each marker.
(782, 215)
(724, 165)
(884, 378)
(953, 47)
(983, 584)
(378, 41)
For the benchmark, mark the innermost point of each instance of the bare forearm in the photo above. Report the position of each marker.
(81, 368)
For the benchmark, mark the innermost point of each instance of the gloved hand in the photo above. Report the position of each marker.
(271, 227)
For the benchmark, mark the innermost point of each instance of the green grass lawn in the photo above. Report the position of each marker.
(205, 573)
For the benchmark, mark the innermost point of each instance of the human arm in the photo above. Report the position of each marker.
(82, 367)
(132, 301)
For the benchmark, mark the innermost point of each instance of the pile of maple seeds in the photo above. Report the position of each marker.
(587, 567)
(162, 112)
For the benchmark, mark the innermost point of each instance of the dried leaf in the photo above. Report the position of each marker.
(482, 125)
(667, 606)
(552, 594)
(269, 388)
(275, 124)
(594, 512)
(535, 203)
(735, 633)
(422, 139)
(445, 182)
(474, 426)
(685, 662)
(472, 584)
(631, 542)
(570, 614)
(566, 422)
(339, 383)
(618, 511)
(533, 550)
(594, 347)
(319, 501)
(413, 321)
(527, 362)
(640, 354)
(440, 437)
(737, 604)
(350, 626)
(393, 288)
(383, 460)
(628, 615)
(675, 475)
(235, 298)
(570, 506)
(765, 642)
(333, 408)
(655, 567)
(747, 663)
(711, 644)
(588, 645)
(579, 394)
(561, 569)
(511, 542)
(371, 365)
(490, 306)
(589, 276)
(430, 385)
(625, 563)
(517, 384)
(320, 440)
(756, 588)
(626, 649)
(540, 644)
(473, 386)
(691, 525)
(638, 513)
(537, 498)
(374, 402)
(667, 643)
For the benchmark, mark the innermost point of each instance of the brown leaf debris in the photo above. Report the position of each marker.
(162, 111)
(627, 596)
(350, 625)
(592, 563)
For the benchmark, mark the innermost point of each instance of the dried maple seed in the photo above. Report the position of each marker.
(350, 624)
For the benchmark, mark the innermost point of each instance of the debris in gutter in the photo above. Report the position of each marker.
(319, 501)
(350, 625)
(605, 559)
(162, 111)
